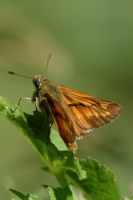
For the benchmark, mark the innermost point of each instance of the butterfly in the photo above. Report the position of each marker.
(75, 114)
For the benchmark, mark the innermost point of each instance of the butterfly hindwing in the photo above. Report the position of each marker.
(62, 118)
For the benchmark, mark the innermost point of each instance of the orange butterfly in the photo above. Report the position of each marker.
(76, 114)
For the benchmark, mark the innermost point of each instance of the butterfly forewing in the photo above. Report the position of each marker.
(89, 112)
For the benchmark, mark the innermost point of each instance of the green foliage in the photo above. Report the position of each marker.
(24, 197)
(94, 180)
(60, 193)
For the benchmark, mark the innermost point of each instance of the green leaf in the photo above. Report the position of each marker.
(100, 182)
(60, 193)
(24, 197)
(19, 194)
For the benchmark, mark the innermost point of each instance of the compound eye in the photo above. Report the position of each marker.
(37, 83)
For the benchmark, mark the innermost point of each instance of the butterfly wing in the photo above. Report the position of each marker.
(62, 118)
(88, 112)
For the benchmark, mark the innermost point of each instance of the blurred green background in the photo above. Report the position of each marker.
(91, 44)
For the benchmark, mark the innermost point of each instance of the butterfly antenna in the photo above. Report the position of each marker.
(47, 63)
(13, 73)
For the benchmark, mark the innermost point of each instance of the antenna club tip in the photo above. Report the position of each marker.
(13, 73)
(10, 72)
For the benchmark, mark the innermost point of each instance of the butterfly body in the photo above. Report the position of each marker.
(75, 113)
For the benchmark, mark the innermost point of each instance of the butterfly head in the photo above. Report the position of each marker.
(38, 80)
(41, 84)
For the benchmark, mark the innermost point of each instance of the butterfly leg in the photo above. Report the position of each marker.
(20, 100)
(36, 103)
